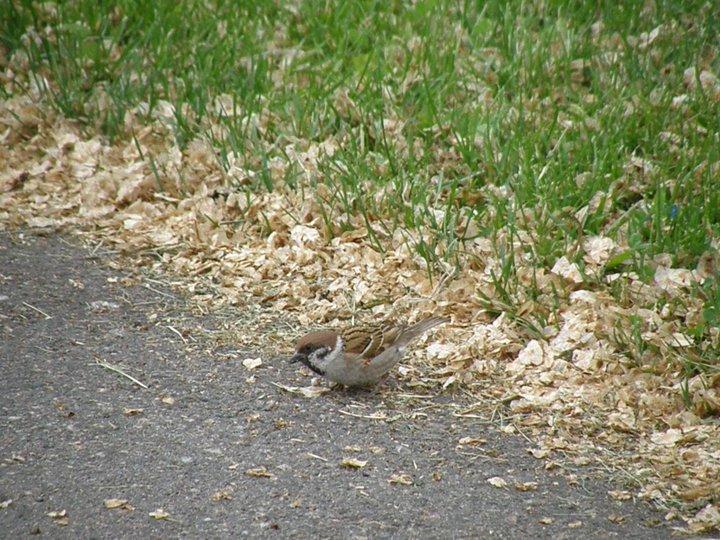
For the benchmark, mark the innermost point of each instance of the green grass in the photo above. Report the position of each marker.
(514, 115)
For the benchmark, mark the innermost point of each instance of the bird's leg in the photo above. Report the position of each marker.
(386, 384)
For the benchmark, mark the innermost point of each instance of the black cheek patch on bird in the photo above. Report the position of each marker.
(305, 360)
(320, 352)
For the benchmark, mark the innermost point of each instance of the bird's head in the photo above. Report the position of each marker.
(313, 349)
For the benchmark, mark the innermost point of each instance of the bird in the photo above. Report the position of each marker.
(359, 355)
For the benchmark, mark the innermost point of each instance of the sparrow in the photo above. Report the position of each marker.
(359, 355)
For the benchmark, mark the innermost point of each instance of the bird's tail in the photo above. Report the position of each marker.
(418, 329)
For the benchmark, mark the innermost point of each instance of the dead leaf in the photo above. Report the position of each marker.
(352, 463)
(673, 279)
(526, 486)
(404, 479)
(598, 249)
(57, 514)
(471, 441)
(259, 472)
(705, 520)
(159, 514)
(582, 461)
(539, 453)
(681, 340)
(222, 495)
(497, 482)
(567, 270)
(252, 363)
(303, 235)
(168, 400)
(59, 517)
(132, 412)
(620, 495)
(667, 438)
(305, 391)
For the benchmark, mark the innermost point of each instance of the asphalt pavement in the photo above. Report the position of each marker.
(200, 446)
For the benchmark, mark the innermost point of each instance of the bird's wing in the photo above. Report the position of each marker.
(369, 341)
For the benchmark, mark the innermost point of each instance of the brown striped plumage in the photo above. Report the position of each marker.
(369, 341)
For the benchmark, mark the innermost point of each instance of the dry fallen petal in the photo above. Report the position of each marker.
(222, 495)
(57, 514)
(259, 472)
(582, 461)
(159, 514)
(168, 400)
(4, 504)
(667, 438)
(404, 479)
(546, 520)
(539, 453)
(59, 517)
(132, 412)
(570, 271)
(471, 441)
(305, 391)
(352, 463)
(681, 340)
(440, 350)
(252, 363)
(497, 482)
(706, 519)
(575, 525)
(312, 391)
(620, 495)
(115, 503)
(303, 235)
(673, 279)
(598, 249)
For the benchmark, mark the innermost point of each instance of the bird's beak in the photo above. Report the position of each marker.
(297, 357)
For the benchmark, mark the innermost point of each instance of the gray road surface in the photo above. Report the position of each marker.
(68, 443)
